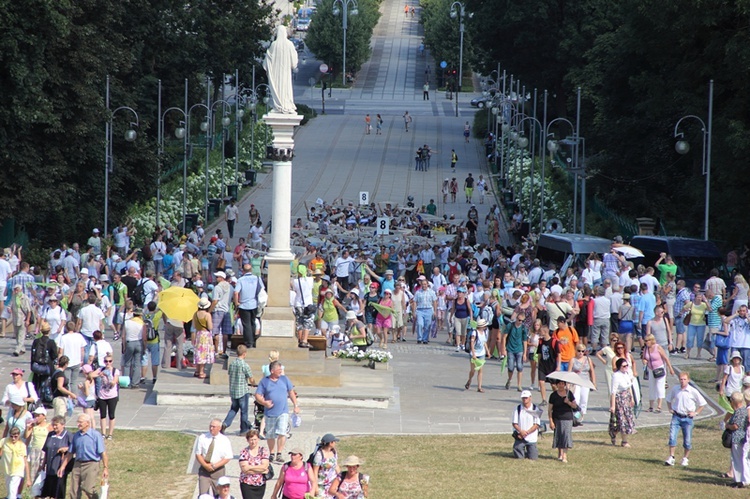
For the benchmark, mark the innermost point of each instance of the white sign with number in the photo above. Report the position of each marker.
(364, 197)
(382, 226)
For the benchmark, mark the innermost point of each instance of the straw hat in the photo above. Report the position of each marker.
(352, 461)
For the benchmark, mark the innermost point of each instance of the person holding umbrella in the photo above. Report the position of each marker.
(562, 403)
(478, 353)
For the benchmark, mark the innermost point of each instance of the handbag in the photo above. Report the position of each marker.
(268, 475)
(722, 341)
(686, 319)
(659, 372)
(726, 439)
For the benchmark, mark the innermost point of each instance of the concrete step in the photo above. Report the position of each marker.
(358, 387)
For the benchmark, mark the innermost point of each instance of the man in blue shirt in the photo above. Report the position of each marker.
(88, 450)
(272, 393)
(246, 302)
(645, 308)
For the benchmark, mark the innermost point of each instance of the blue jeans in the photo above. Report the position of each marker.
(686, 425)
(424, 319)
(745, 352)
(150, 350)
(695, 333)
(515, 361)
(564, 366)
(240, 405)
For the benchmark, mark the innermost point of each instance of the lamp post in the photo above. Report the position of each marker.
(458, 9)
(344, 6)
(577, 166)
(253, 105)
(522, 143)
(239, 113)
(130, 136)
(226, 121)
(179, 133)
(682, 146)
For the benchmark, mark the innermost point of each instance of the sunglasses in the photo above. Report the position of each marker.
(107, 361)
(624, 365)
(581, 351)
(14, 374)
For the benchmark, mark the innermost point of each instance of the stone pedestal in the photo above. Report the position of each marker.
(278, 319)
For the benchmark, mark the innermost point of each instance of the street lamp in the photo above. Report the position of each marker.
(252, 106)
(682, 146)
(576, 166)
(130, 136)
(345, 4)
(458, 9)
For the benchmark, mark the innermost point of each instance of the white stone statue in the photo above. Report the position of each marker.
(281, 60)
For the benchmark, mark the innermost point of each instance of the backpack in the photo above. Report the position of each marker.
(467, 342)
(40, 358)
(151, 332)
(361, 479)
(311, 457)
(139, 297)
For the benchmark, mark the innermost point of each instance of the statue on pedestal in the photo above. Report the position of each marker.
(280, 61)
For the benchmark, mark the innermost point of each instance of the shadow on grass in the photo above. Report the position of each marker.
(509, 455)
(595, 442)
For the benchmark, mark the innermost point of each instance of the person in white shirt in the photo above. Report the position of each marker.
(221, 300)
(255, 236)
(73, 345)
(158, 250)
(231, 213)
(150, 288)
(304, 306)
(55, 316)
(650, 281)
(685, 402)
(602, 314)
(211, 451)
(5, 273)
(526, 423)
(90, 319)
(343, 264)
(438, 279)
(99, 349)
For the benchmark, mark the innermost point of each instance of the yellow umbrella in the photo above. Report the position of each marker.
(178, 303)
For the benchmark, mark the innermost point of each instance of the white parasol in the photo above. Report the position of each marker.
(572, 378)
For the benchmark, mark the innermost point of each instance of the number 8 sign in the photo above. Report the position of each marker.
(364, 198)
(382, 225)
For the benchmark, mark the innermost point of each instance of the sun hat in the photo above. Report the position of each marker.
(17, 399)
(735, 355)
(355, 291)
(389, 291)
(351, 314)
(352, 461)
(746, 380)
(482, 323)
(203, 303)
(86, 368)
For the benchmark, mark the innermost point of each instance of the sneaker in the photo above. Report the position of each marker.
(153, 381)
(519, 389)
(669, 462)
(109, 437)
(507, 385)
(223, 428)
(142, 381)
(457, 349)
(684, 461)
(682, 350)
(279, 458)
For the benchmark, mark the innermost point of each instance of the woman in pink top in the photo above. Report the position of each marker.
(296, 478)
(656, 360)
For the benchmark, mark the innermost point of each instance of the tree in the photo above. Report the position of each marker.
(325, 36)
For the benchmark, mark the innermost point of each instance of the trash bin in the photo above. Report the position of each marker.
(232, 190)
(250, 176)
(214, 207)
(191, 220)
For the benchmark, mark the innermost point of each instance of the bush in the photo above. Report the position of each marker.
(307, 112)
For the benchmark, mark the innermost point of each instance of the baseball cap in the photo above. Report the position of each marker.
(328, 438)
(297, 450)
(525, 394)
(220, 274)
(223, 481)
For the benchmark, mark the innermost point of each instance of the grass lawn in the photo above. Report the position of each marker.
(483, 466)
(148, 464)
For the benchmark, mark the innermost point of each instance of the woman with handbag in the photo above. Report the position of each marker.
(660, 328)
(562, 403)
(626, 325)
(254, 466)
(655, 358)
(621, 403)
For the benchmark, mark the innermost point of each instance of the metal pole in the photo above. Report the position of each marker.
(223, 138)
(580, 163)
(533, 158)
(707, 159)
(252, 127)
(460, 55)
(544, 160)
(107, 159)
(208, 140)
(345, 5)
(160, 132)
(237, 124)
(184, 161)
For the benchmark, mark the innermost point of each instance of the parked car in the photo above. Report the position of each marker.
(694, 257)
(565, 250)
